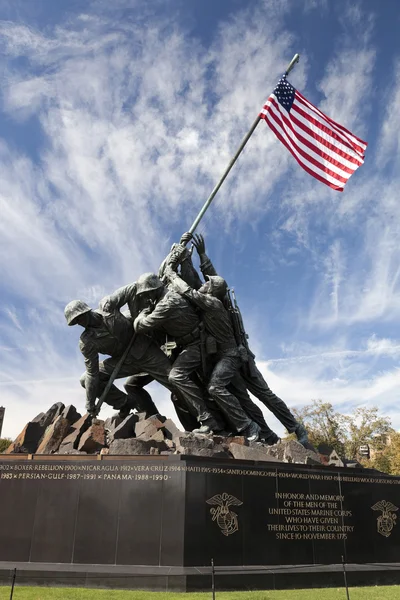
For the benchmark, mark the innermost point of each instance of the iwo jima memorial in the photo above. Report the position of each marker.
(136, 502)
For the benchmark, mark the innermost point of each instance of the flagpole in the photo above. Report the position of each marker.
(294, 60)
(211, 197)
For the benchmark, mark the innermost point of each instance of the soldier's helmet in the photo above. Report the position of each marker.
(148, 282)
(75, 309)
(218, 286)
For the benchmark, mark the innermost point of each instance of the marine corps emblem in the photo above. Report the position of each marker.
(387, 520)
(226, 519)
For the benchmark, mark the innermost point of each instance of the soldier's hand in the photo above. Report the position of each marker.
(91, 408)
(186, 238)
(176, 256)
(199, 243)
(105, 304)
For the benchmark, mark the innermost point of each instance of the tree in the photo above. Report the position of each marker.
(324, 424)
(365, 426)
(393, 452)
(387, 459)
(4, 443)
(345, 433)
(380, 461)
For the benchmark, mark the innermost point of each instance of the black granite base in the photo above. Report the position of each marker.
(192, 579)
(156, 523)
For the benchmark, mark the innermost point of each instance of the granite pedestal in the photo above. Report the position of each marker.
(156, 522)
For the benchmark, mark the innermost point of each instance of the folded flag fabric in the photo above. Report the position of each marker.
(324, 149)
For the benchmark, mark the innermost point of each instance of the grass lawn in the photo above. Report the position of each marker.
(37, 593)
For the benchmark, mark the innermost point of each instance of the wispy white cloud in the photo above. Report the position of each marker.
(390, 137)
(135, 133)
(298, 387)
(343, 376)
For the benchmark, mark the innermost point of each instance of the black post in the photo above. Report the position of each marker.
(213, 579)
(345, 578)
(13, 583)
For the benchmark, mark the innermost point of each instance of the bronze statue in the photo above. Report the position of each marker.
(211, 359)
(227, 355)
(253, 378)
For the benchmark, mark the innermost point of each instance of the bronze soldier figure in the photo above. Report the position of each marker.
(253, 378)
(141, 296)
(228, 361)
(170, 314)
(237, 387)
(109, 333)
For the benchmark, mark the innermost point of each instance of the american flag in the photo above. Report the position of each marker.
(325, 149)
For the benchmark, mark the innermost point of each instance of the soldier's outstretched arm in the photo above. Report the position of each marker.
(118, 299)
(206, 266)
(149, 320)
(180, 255)
(189, 274)
(176, 255)
(203, 301)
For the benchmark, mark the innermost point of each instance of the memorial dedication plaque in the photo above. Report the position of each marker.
(262, 515)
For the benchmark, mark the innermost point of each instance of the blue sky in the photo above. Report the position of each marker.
(116, 121)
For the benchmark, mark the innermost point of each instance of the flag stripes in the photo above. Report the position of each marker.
(323, 148)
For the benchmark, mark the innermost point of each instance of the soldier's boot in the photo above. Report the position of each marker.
(140, 399)
(208, 425)
(301, 434)
(126, 408)
(269, 439)
(187, 420)
(252, 432)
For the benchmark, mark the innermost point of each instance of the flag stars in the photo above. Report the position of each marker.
(284, 93)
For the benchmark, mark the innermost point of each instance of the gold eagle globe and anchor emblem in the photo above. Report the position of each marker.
(387, 520)
(226, 519)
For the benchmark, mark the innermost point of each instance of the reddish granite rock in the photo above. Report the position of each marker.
(94, 438)
(38, 418)
(71, 414)
(53, 437)
(75, 433)
(194, 445)
(135, 446)
(296, 453)
(112, 422)
(83, 423)
(125, 429)
(239, 439)
(149, 426)
(251, 453)
(27, 441)
(52, 414)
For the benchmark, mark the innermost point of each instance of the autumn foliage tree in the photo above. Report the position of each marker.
(345, 433)
(387, 458)
(323, 423)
